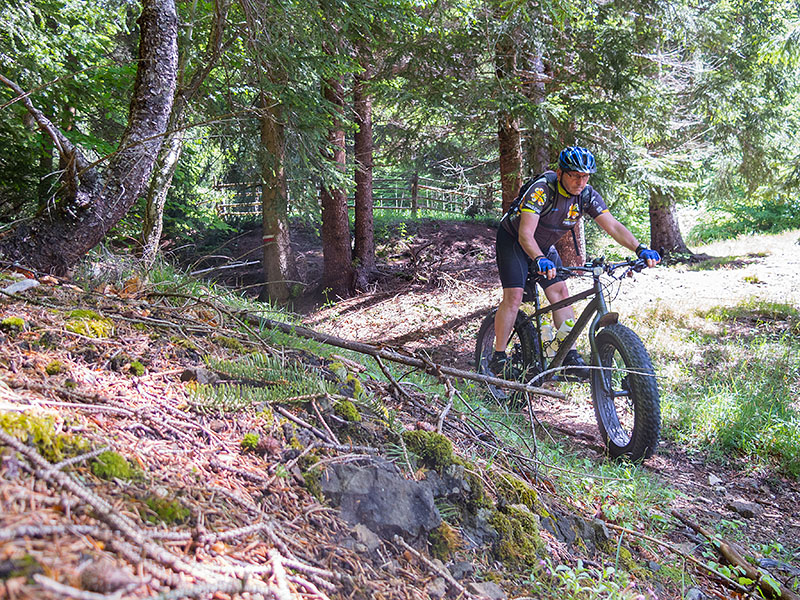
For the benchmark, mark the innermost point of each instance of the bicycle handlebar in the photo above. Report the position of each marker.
(599, 266)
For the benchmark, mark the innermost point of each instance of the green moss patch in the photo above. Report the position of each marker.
(511, 490)
(434, 449)
(444, 540)
(347, 410)
(41, 433)
(250, 442)
(520, 543)
(89, 323)
(12, 324)
(54, 367)
(162, 510)
(110, 465)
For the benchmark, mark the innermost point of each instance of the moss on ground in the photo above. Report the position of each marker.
(89, 324)
(111, 465)
(250, 442)
(162, 510)
(41, 433)
(12, 324)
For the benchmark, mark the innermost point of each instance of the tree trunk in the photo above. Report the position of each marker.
(337, 270)
(171, 149)
(89, 206)
(665, 233)
(508, 133)
(364, 229)
(566, 247)
(279, 265)
(538, 149)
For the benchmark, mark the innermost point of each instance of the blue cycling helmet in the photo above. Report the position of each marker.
(575, 158)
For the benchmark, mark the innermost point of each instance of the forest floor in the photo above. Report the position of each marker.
(134, 388)
(439, 282)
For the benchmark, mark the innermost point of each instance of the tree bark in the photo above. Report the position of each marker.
(665, 233)
(171, 149)
(566, 247)
(337, 270)
(280, 269)
(364, 228)
(508, 132)
(537, 146)
(90, 205)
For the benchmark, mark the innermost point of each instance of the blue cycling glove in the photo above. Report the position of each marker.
(646, 253)
(544, 264)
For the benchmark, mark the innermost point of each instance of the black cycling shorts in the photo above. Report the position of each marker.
(513, 262)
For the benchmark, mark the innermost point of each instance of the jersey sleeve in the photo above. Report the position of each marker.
(535, 198)
(596, 206)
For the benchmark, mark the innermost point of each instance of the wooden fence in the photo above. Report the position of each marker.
(413, 194)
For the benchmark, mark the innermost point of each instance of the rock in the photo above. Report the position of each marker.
(364, 535)
(694, 594)
(380, 498)
(476, 529)
(437, 588)
(748, 510)
(487, 589)
(202, 376)
(21, 286)
(462, 569)
(713, 480)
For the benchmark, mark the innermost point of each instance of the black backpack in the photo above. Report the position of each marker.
(552, 181)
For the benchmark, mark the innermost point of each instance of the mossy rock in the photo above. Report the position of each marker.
(12, 324)
(89, 324)
(520, 544)
(511, 490)
(444, 541)
(347, 411)
(25, 566)
(40, 432)
(434, 449)
(163, 510)
(110, 465)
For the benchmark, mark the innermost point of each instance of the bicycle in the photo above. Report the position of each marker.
(623, 383)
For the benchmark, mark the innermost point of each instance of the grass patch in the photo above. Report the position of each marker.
(738, 394)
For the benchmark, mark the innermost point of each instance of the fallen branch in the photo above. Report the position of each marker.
(387, 354)
(770, 588)
(462, 591)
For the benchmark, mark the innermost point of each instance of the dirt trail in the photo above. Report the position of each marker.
(438, 285)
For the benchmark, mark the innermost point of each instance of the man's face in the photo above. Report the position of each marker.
(573, 181)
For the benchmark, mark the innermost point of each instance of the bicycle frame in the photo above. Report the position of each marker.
(596, 308)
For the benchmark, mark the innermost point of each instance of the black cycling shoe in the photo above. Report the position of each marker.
(500, 365)
(578, 368)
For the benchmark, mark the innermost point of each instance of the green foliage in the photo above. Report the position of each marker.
(111, 465)
(41, 432)
(89, 324)
(758, 215)
(136, 368)
(581, 582)
(520, 543)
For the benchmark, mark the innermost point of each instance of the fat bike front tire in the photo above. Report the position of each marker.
(521, 351)
(625, 394)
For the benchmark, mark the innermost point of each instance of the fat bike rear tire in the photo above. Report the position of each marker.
(522, 352)
(625, 394)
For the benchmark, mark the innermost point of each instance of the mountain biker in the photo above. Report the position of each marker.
(525, 240)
